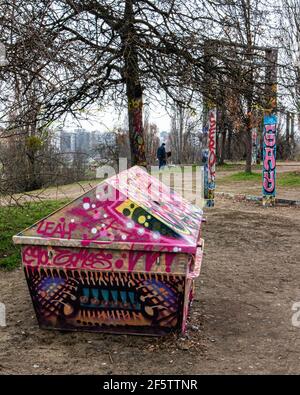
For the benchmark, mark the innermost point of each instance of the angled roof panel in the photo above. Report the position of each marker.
(131, 210)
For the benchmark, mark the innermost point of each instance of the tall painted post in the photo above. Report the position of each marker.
(209, 129)
(212, 156)
(269, 160)
(269, 130)
(136, 132)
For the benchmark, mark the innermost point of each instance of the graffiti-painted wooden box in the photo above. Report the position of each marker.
(122, 258)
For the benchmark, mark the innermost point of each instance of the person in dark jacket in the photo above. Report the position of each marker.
(161, 156)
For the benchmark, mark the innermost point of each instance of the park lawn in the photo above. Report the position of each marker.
(286, 179)
(235, 166)
(14, 219)
(241, 176)
(289, 179)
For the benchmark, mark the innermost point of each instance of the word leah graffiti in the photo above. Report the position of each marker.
(51, 229)
(269, 158)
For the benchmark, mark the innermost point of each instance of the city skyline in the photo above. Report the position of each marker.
(109, 119)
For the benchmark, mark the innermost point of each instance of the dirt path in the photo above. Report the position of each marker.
(254, 188)
(72, 191)
(240, 321)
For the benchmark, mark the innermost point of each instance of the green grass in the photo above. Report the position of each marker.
(287, 179)
(242, 176)
(235, 166)
(230, 166)
(14, 219)
(64, 187)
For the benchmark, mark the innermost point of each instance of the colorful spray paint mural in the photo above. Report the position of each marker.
(269, 160)
(90, 300)
(137, 139)
(121, 258)
(212, 141)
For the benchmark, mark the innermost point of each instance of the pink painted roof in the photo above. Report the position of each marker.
(131, 210)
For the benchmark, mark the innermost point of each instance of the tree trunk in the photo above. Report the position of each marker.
(181, 119)
(31, 149)
(248, 145)
(229, 141)
(222, 146)
(248, 141)
(287, 136)
(135, 123)
(222, 134)
(134, 90)
(292, 143)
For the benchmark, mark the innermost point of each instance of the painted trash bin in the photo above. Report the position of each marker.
(121, 258)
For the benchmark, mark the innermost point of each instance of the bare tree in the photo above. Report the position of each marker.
(289, 39)
(185, 135)
(241, 51)
(151, 137)
(110, 50)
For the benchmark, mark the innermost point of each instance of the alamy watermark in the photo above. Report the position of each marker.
(186, 181)
(296, 315)
(2, 315)
(3, 60)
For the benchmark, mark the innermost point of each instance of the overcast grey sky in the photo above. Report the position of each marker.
(107, 119)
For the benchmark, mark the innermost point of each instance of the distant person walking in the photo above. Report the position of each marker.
(161, 156)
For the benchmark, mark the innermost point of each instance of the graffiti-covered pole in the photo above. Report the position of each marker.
(212, 156)
(136, 131)
(209, 157)
(209, 154)
(269, 130)
(269, 160)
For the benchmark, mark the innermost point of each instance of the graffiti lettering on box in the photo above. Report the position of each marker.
(71, 258)
(62, 229)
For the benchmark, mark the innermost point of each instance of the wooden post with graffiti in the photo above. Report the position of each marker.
(211, 161)
(269, 160)
(136, 131)
(209, 157)
(209, 130)
(269, 130)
